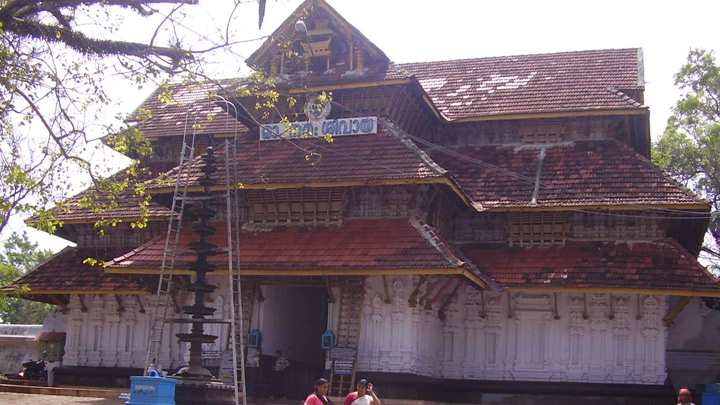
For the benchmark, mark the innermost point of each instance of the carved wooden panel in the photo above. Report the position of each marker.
(537, 228)
(299, 206)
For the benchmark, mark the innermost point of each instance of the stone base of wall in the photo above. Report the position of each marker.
(408, 389)
(117, 377)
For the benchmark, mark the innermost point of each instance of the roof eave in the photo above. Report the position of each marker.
(558, 114)
(617, 290)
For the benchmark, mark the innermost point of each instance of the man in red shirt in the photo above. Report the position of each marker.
(363, 396)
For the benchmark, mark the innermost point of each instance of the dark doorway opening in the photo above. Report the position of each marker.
(293, 320)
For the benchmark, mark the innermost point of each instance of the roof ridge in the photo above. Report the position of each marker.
(129, 254)
(624, 97)
(400, 70)
(410, 145)
(429, 234)
(694, 259)
(586, 51)
(454, 256)
(662, 173)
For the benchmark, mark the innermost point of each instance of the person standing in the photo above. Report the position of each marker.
(318, 397)
(684, 397)
(365, 395)
(279, 375)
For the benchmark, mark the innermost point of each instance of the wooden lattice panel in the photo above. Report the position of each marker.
(537, 228)
(298, 206)
(542, 131)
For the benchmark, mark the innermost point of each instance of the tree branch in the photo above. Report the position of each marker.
(86, 45)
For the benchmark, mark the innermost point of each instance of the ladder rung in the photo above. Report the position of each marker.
(199, 198)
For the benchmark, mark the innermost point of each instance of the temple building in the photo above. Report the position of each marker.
(465, 231)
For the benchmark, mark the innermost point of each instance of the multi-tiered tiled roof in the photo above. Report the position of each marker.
(591, 173)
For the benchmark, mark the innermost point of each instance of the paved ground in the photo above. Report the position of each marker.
(37, 399)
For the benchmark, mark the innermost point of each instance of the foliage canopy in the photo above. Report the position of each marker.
(18, 256)
(689, 149)
(55, 58)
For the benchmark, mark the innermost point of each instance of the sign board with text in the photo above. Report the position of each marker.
(343, 367)
(343, 353)
(319, 129)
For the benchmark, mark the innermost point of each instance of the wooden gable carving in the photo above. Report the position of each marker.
(315, 38)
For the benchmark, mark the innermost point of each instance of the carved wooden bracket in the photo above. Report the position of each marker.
(443, 307)
(430, 290)
(585, 312)
(450, 281)
(60, 302)
(412, 301)
(120, 307)
(83, 308)
(670, 318)
(176, 307)
(483, 309)
(328, 288)
(611, 314)
(387, 299)
(639, 315)
(140, 305)
(510, 308)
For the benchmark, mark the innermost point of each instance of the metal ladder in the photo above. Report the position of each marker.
(232, 207)
(348, 332)
(170, 251)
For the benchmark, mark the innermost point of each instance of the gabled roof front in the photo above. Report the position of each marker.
(309, 11)
(357, 247)
(597, 174)
(553, 83)
(662, 267)
(382, 158)
(67, 273)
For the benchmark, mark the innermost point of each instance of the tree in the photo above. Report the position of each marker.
(19, 256)
(53, 58)
(689, 149)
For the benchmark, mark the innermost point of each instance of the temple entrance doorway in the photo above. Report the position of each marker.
(293, 320)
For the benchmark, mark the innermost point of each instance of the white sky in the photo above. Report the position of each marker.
(426, 30)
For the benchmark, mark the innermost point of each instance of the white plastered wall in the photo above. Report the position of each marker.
(597, 338)
(103, 335)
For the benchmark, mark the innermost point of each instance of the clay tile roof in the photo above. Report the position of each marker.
(572, 174)
(357, 158)
(663, 266)
(527, 84)
(191, 110)
(65, 272)
(128, 209)
(377, 244)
